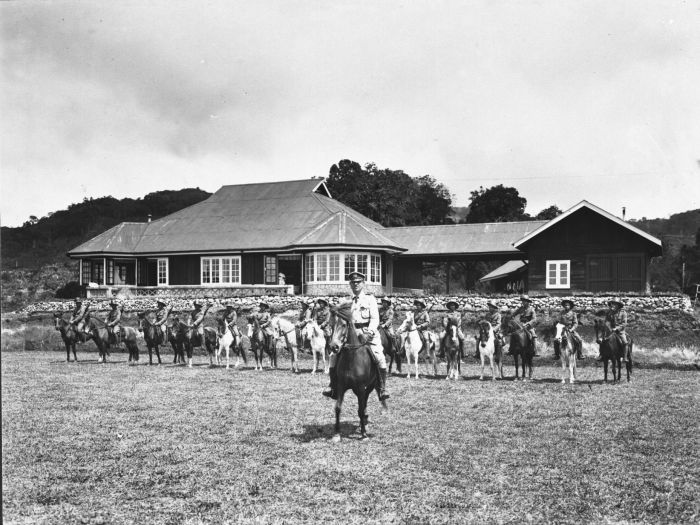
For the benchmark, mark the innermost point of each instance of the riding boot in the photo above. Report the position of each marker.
(534, 347)
(579, 355)
(461, 349)
(382, 384)
(441, 353)
(624, 353)
(332, 390)
(477, 355)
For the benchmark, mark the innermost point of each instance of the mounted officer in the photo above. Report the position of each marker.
(616, 319)
(422, 320)
(302, 320)
(386, 317)
(113, 322)
(569, 319)
(265, 322)
(323, 317)
(527, 317)
(80, 314)
(197, 318)
(229, 315)
(452, 316)
(365, 315)
(162, 316)
(493, 316)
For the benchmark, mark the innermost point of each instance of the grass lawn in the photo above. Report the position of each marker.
(92, 443)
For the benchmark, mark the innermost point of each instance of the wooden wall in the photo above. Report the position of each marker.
(408, 273)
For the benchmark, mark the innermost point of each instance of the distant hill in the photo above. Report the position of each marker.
(46, 240)
(678, 230)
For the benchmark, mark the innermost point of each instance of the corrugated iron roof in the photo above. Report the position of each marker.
(342, 228)
(504, 270)
(244, 217)
(122, 238)
(481, 238)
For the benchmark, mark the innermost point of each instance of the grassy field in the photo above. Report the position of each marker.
(91, 443)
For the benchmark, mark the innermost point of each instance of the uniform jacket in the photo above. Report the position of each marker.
(386, 317)
(495, 320)
(422, 320)
(526, 315)
(364, 310)
(455, 317)
(304, 317)
(264, 320)
(80, 313)
(569, 319)
(114, 317)
(162, 315)
(323, 317)
(617, 320)
(228, 317)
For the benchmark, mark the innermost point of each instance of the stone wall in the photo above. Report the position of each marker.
(339, 290)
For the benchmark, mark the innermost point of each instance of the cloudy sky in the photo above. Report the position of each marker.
(564, 100)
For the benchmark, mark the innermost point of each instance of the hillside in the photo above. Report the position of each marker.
(34, 262)
(678, 230)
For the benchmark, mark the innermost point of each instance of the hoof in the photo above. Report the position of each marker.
(364, 438)
(336, 438)
(563, 381)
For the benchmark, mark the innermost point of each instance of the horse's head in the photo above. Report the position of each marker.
(343, 329)
(559, 331)
(249, 329)
(602, 330)
(58, 321)
(408, 324)
(485, 332)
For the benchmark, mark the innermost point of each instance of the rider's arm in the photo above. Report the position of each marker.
(621, 321)
(373, 316)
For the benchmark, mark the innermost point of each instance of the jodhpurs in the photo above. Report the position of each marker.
(375, 347)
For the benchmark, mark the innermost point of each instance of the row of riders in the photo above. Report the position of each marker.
(376, 324)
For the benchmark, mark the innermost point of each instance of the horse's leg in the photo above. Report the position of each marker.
(483, 364)
(517, 370)
(564, 359)
(75, 356)
(572, 367)
(362, 410)
(338, 407)
(628, 363)
(605, 369)
(493, 368)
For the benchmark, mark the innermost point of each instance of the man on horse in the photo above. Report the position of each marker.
(323, 317)
(229, 315)
(616, 319)
(162, 316)
(197, 318)
(365, 316)
(422, 321)
(386, 317)
(302, 320)
(79, 315)
(493, 316)
(527, 318)
(453, 316)
(569, 319)
(265, 322)
(114, 318)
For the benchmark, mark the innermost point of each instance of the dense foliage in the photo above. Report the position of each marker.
(390, 197)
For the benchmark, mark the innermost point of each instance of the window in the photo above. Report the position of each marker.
(326, 267)
(110, 271)
(221, 270)
(558, 274)
(86, 273)
(270, 269)
(162, 272)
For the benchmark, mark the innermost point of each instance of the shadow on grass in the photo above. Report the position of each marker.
(325, 432)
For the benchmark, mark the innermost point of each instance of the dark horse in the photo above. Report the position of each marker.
(102, 339)
(354, 367)
(521, 345)
(391, 348)
(192, 339)
(153, 336)
(259, 343)
(69, 334)
(451, 346)
(612, 349)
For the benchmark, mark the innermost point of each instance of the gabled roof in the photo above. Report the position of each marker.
(122, 238)
(343, 229)
(245, 217)
(574, 209)
(470, 239)
(504, 270)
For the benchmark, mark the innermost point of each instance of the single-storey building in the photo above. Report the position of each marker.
(242, 237)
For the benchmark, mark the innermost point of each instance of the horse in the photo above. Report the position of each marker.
(209, 340)
(489, 348)
(69, 334)
(391, 348)
(354, 367)
(318, 344)
(228, 339)
(411, 342)
(567, 348)
(151, 335)
(285, 329)
(612, 349)
(102, 339)
(258, 345)
(520, 345)
(451, 345)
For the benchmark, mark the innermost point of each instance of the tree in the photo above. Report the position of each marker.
(389, 197)
(496, 204)
(548, 213)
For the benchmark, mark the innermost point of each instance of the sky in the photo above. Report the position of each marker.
(563, 100)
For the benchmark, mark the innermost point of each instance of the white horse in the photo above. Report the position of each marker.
(487, 348)
(285, 329)
(567, 350)
(317, 341)
(410, 341)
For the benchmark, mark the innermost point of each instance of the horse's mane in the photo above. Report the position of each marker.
(344, 311)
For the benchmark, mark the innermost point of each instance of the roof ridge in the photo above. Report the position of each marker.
(272, 182)
(316, 228)
(464, 224)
